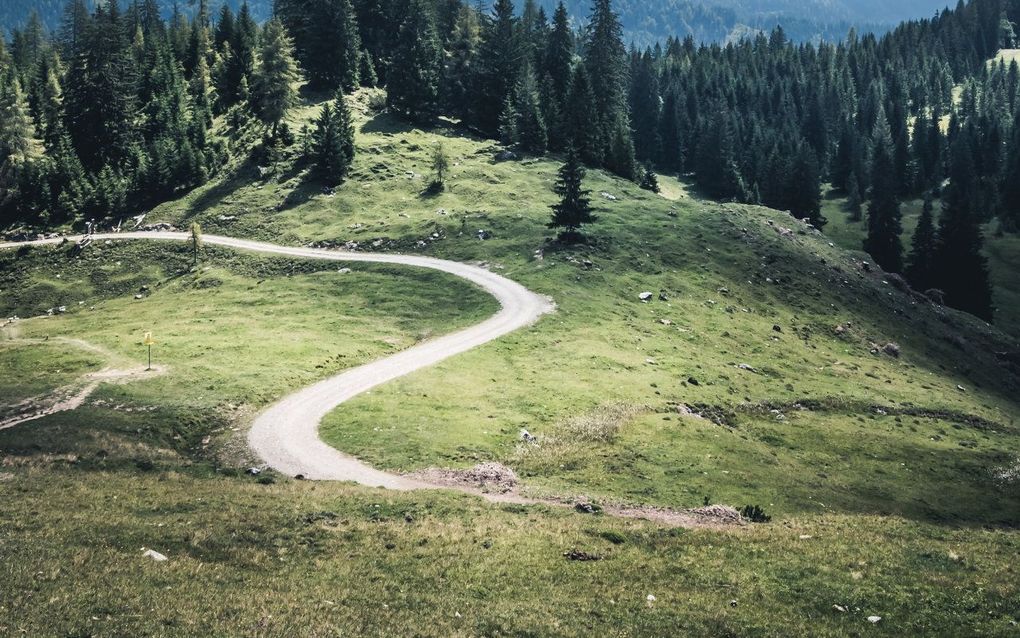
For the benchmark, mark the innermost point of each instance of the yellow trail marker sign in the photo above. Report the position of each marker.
(148, 341)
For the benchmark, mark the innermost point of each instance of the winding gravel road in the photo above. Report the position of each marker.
(286, 435)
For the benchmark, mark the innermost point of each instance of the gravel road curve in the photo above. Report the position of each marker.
(286, 434)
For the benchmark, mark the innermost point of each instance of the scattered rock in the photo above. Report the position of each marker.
(609, 196)
(527, 437)
(777, 328)
(747, 368)
(645, 297)
(840, 608)
(254, 471)
(584, 507)
(578, 555)
(874, 620)
(154, 555)
(666, 322)
(692, 381)
(484, 234)
(506, 156)
(961, 388)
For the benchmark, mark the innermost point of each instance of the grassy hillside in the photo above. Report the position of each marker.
(759, 373)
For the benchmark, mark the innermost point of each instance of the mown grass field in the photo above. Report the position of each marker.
(878, 470)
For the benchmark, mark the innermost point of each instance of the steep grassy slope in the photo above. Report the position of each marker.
(879, 470)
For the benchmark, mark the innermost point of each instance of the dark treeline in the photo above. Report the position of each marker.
(117, 109)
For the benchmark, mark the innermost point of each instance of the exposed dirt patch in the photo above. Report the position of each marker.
(487, 477)
(69, 397)
(713, 516)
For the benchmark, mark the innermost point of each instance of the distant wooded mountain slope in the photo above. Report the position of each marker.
(646, 21)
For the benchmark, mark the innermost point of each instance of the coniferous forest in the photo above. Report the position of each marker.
(118, 110)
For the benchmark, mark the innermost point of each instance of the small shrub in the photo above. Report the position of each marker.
(755, 514)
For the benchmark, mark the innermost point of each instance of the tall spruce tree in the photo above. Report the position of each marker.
(574, 208)
(884, 216)
(100, 96)
(578, 120)
(921, 270)
(273, 92)
(333, 142)
(499, 62)
(962, 270)
(606, 60)
(328, 41)
(413, 84)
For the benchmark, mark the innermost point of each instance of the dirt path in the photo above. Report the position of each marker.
(286, 435)
(73, 396)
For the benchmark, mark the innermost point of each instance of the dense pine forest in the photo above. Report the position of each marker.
(118, 110)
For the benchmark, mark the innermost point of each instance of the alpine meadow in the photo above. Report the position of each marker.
(451, 318)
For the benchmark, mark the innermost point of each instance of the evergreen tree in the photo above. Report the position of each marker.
(650, 181)
(854, 201)
(333, 142)
(100, 96)
(530, 123)
(574, 209)
(559, 55)
(804, 187)
(440, 166)
(579, 118)
(328, 40)
(274, 92)
(413, 85)
(17, 140)
(458, 90)
(606, 60)
(645, 106)
(499, 62)
(921, 260)
(962, 270)
(884, 216)
(366, 70)
(1010, 182)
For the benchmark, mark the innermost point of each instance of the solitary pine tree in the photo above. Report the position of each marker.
(574, 209)
(962, 268)
(884, 216)
(274, 92)
(413, 80)
(650, 181)
(921, 260)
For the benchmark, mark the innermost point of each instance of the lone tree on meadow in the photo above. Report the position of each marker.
(574, 209)
(440, 166)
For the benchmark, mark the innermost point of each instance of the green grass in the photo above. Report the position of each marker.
(35, 369)
(326, 560)
(904, 518)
